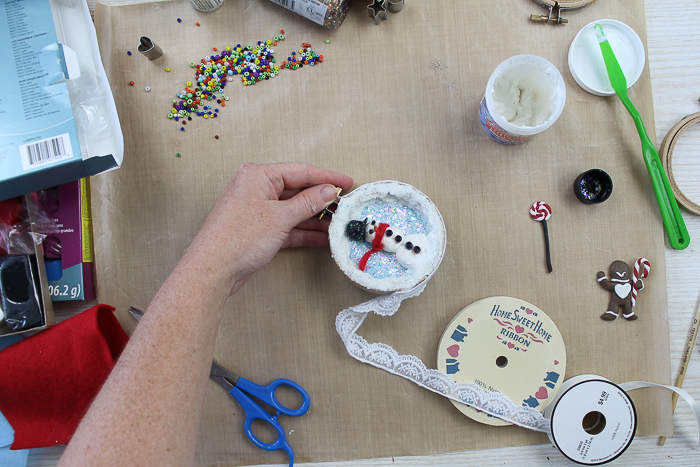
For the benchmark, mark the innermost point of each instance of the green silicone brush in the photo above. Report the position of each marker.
(671, 215)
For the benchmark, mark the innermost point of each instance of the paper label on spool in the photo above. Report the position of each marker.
(507, 345)
(592, 421)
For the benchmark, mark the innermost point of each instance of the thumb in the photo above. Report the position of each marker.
(308, 203)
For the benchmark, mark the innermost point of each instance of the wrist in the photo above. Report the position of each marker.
(209, 270)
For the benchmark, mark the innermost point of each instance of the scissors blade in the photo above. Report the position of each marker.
(223, 376)
(136, 313)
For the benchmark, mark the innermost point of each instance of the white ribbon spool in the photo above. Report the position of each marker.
(592, 420)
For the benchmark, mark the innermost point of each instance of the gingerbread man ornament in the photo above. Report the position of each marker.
(622, 288)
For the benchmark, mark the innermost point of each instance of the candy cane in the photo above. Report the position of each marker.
(637, 276)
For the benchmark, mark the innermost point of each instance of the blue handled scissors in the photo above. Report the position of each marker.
(241, 389)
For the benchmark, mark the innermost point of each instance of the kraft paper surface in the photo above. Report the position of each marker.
(394, 101)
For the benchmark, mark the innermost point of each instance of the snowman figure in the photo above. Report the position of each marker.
(413, 251)
(393, 239)
(410, 249)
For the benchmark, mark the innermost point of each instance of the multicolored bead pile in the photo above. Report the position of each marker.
(306, 57)
(251, 63)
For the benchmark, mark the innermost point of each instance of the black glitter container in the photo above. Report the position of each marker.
(593, 186)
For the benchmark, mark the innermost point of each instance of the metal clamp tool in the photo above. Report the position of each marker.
(555, 9)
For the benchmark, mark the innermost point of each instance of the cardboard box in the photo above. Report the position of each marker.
(40, 286)
(58, 120)
(68, 248)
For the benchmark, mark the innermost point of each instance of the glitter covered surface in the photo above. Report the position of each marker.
(335, 15)
(590, 187)
(383, 264)
(336, 10)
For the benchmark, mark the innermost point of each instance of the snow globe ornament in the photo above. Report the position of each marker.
(387, 236)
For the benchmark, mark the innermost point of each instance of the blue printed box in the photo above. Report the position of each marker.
(47, 137)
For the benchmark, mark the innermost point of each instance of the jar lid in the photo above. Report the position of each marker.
(586, 60)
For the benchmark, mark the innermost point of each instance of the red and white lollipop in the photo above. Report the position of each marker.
(541, 212)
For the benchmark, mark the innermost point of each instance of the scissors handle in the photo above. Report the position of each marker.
(267, 395)
(254, 412)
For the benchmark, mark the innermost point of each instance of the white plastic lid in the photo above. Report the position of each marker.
(586, 60)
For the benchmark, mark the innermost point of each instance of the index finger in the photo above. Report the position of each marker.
(294, 175)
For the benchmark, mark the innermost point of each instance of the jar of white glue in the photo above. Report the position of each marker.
(524, 96)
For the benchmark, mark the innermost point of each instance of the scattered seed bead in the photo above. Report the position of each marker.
(250, 64)
(147, 89)
(128, 52)
(178, 155)
(328, 41)
(131, 83)
(167, 69)
(197, 23)
(179, 20)
(216, 136)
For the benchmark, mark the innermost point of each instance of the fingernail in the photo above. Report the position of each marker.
(328, 193)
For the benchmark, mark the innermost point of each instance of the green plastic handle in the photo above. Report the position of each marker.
(670, 213)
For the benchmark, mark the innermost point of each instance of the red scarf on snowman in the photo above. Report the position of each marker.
(377, 244)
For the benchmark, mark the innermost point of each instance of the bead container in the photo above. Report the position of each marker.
(593, 186)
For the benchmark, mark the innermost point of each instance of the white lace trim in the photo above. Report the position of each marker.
(412, 368)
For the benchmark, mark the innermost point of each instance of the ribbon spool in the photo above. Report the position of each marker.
(507, 345)
(592, 420)
(666, 154)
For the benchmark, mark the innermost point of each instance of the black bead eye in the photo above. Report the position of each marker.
(371, 231)
(398, 239)
(388, 233)
(409, 245)
(416, 249)
(373, 222)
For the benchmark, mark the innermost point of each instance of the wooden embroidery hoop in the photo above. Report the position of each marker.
(666, 155)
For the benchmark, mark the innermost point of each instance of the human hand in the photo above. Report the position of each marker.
(266, 207)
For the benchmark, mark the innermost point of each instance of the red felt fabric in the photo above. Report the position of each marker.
(48, 381)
